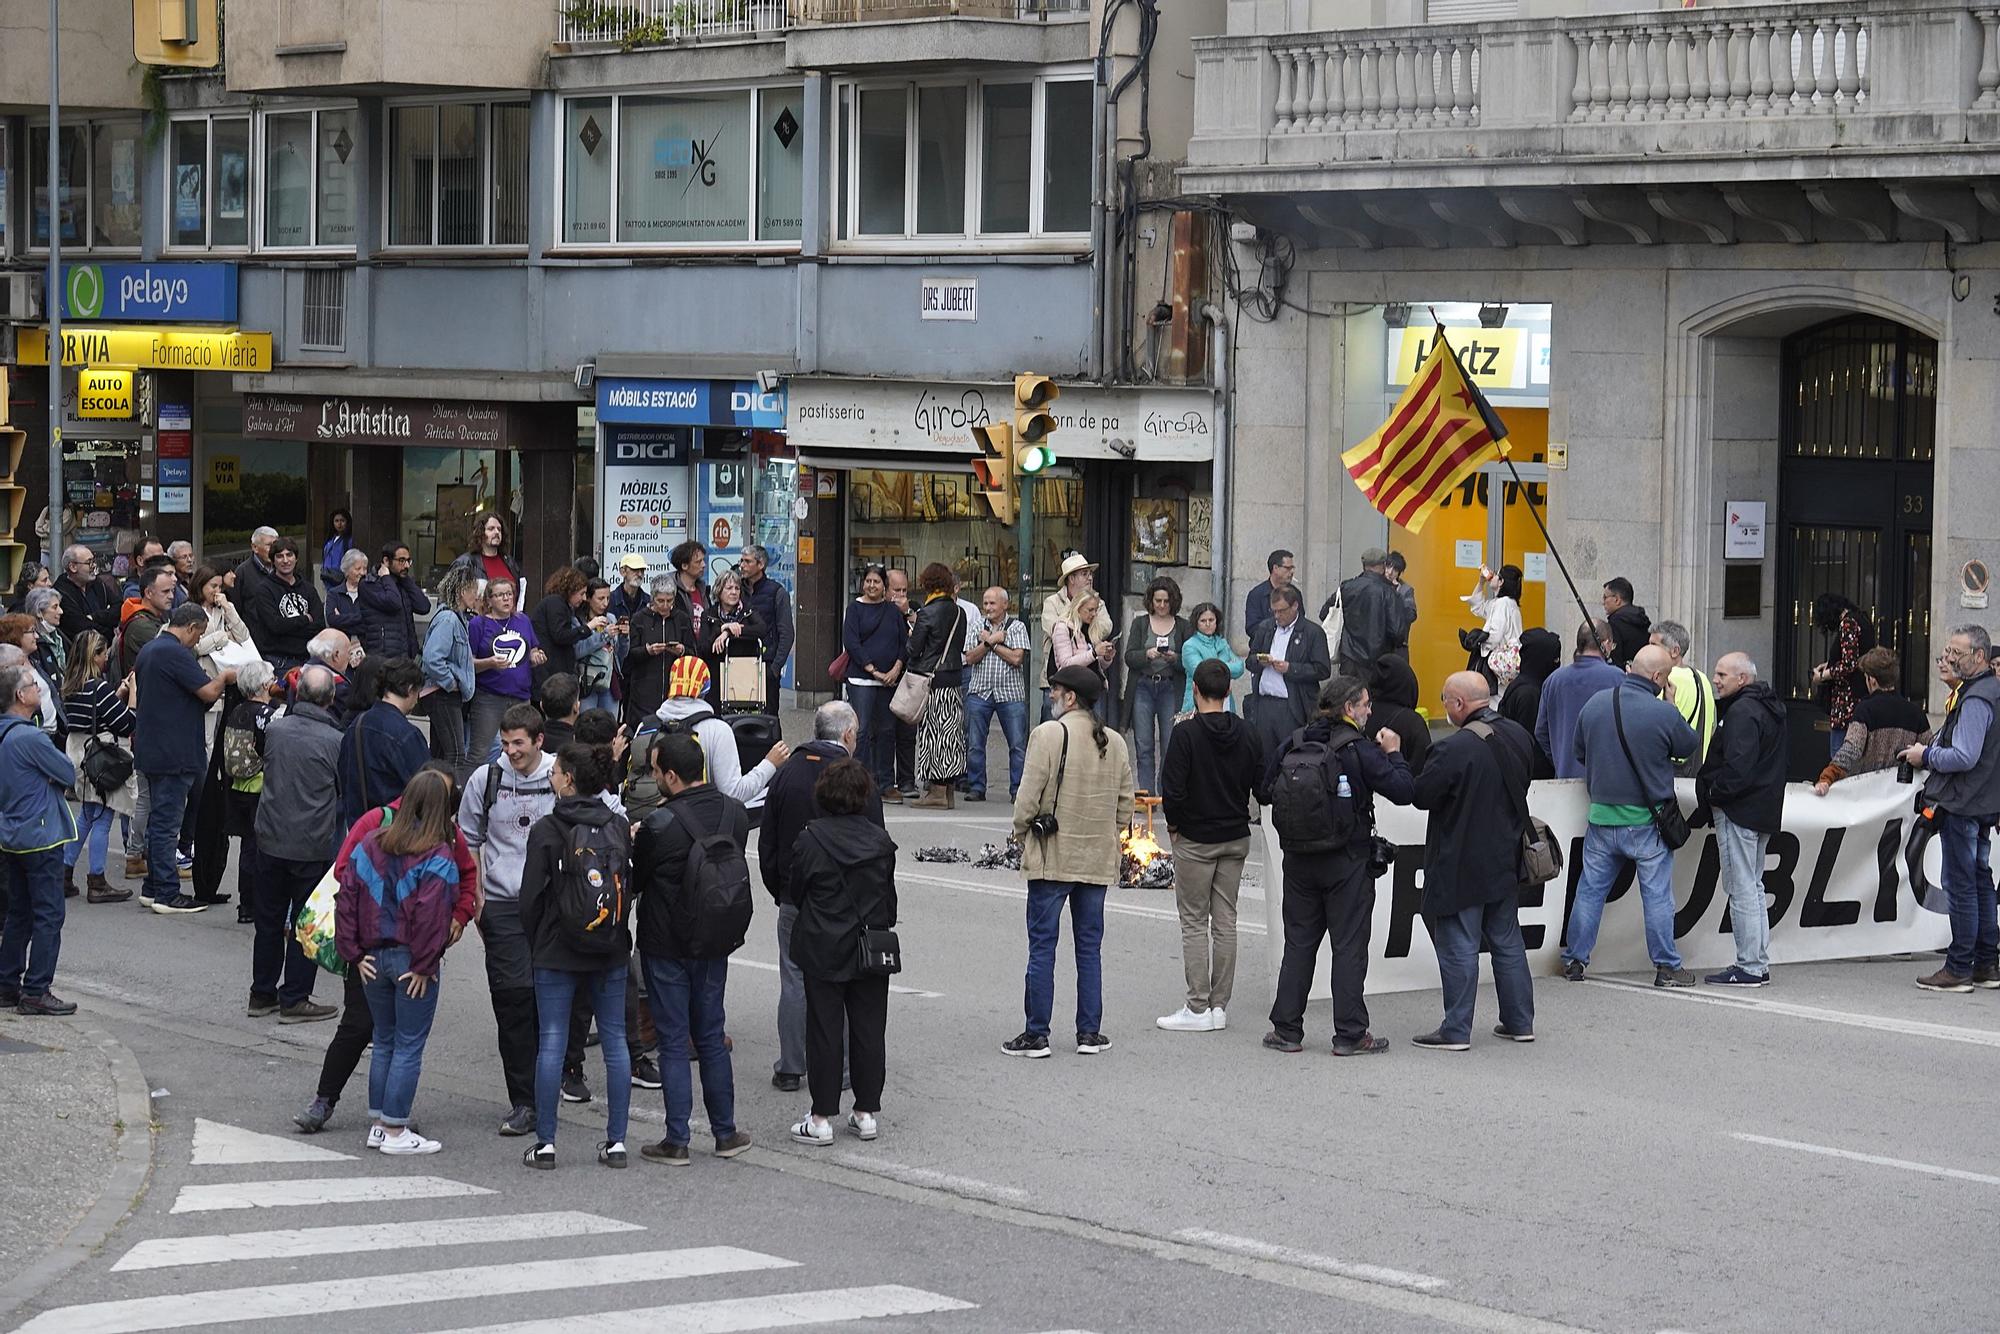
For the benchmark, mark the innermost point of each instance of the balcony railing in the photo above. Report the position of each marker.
(633, 23)
(855, 11)
(1845, 73)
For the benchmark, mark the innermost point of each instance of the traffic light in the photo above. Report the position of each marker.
(1033, 422)
(994, 467)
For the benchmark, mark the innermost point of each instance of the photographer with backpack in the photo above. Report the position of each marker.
(693, 886)
(1320, 785)
(575, 898)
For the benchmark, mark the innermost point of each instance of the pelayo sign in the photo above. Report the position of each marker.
(200, 293)
(376, 421)
(1839, 879)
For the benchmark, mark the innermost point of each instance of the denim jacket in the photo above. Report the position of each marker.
(448, 654)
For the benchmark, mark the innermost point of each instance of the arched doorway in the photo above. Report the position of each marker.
(1857, 440)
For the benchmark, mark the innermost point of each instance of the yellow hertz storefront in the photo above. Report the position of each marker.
(1486, 519)
(129, 457)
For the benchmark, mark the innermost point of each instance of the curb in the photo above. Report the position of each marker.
(131, 1172)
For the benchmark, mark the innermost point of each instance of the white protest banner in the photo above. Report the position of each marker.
(1836, 876)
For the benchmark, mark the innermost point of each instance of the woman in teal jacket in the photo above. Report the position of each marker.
(1206, 642)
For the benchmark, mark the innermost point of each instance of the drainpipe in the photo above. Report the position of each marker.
(1100, 186)
(1218, 474)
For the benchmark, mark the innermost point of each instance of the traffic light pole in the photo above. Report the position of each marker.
(52, 296)
(1024, 540)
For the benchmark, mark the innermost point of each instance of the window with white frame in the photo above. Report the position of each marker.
(97, 185)
(706, 168)
(999, 158)
(311, 165)
(208, 183)
(458, 174)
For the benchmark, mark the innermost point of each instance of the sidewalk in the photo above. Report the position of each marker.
(69, 1091)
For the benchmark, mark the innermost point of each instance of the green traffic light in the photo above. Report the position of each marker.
(1034, 458)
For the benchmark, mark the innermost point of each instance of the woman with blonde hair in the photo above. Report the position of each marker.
(95, 708)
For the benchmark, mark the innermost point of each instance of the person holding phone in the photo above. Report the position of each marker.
(1153, 644)
(658, 634)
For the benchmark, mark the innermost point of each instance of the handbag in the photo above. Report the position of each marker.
(1667, 817)
(1539, 858)
(107, 766)
(913, 691)
(837, 669)
(881, 952)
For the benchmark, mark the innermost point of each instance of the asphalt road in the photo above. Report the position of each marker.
(1795, 1159)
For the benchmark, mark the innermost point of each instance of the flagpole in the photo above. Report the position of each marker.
(1590, 619)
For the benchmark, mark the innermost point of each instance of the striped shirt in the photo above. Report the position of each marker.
(992, 678)
(97, 708)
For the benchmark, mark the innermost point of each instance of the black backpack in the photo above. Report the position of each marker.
(1307, 809)
(590, 889)
(711, 913)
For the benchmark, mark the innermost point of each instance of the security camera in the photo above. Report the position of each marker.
(586, 374)
(768, 382)
(1124, 449)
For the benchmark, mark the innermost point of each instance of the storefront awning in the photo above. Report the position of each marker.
(915, 417)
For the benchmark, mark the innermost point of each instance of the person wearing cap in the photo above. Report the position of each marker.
(1078, 577)
(687, 709)
(1080, 773)
(630, 596)
(1375, 617)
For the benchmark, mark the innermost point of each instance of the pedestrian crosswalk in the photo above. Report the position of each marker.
(344, 1249)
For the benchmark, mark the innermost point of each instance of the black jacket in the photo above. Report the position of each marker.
(646, 673)
(935, 647)
(1541, 652)
(1310, 665)
(249, 575)
(1475, 790)
(1394, 690)
(773, 606)
(1370, 770)
(538, 884)
(283, 618)
(389, 610)
(1213, 761)
(86, 608)
(1631, 630)
(845, 874)
(1744, 774)
(789, 807)
(660, 855)
(557, 630)
(1374, 619)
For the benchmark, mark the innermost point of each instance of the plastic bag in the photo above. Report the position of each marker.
(314, 926)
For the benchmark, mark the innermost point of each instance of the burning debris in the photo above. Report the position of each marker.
(999, 856)
(1142, 862)
(942, 854)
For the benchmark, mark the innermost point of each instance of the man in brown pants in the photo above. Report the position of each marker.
(1213, 760)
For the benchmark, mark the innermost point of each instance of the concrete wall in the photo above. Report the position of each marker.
(415, 43)
(97, 68)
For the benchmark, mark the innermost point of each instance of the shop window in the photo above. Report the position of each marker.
(310, 161)
(208, 183)
(697, 169)
(972, 159)
(270, 477)
(97, 185)
(457, 174)
(444, 491)
(906, 520)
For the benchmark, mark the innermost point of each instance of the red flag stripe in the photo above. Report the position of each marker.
(1383, 487)
(1483, 439)
(1412, 402)
(1423, 450)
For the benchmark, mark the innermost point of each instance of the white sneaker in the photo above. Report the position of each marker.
(1184, 1020)
(376, 1134)
(862, 1124)
(1217, 1019)
(816, 1133)
(406, 1142)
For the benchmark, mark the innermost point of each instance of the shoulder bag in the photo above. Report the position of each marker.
(1667, 817)
(913, 691)
(107, 766)
(1540, 859)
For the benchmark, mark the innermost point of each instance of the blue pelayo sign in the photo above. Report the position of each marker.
(198, 293)
(689, 403)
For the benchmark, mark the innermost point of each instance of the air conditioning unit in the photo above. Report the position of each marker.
(20, 296)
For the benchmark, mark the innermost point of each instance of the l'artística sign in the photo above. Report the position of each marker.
(648, 493)
(196, 293)
(376, 421)
(689, 403)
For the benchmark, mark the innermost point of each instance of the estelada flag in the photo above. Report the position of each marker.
(1441, 430)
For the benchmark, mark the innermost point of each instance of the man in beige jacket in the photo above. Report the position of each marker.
(1075, 798)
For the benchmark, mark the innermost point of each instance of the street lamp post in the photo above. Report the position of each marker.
(53, 296)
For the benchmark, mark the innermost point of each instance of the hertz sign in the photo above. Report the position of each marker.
(104, 395)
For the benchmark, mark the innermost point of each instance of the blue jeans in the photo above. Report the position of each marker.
(600, 699)
(31, 935)
(1836, 737)
(1969, 893)
(555, 989)
(168, 808)
(1742, 852)
(1458, 937)
(402, 1027)
(686, 998)
(877, 744)
(1605, 849)
(93, 827)
(1086, 918)
(979, 714)
(1154, 704)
